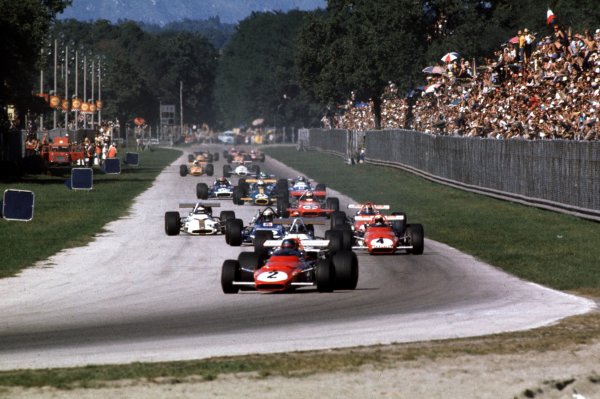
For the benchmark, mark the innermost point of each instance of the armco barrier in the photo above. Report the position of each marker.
(557, 175)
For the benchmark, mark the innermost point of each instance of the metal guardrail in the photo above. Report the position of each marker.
(558, 175)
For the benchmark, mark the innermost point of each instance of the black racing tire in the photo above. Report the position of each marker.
(238, 194)
(416, 236)
(225, 152)
(216, 156)
(346, 270)
(262, 157)
(172, 223)
(259, 239)
(250, 261)
(254, 168)
(183, 170)
(347, 237)
(202, 191)
(227, 170)
(230, 273)
(191, 157)
(283, 203)
(229, 158)
(399, 226)
(325, 275)
(336, 240)
(337, 218)
(244, 184)
(224, 216)
(210, 169)
(233, 230)
(320, 187)
(333, 203)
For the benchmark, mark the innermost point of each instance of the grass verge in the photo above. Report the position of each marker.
(65, 218)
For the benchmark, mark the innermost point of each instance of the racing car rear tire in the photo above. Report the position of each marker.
(216, 156)
(172, 223)
(283, 203)
(336, 240)
(346, 270)
(229, 273)
(347, 238)
(337, 218)
(190, 157)
(399, 226)
(183, 170)
(254, 169)
(262, 157)
(233, 230)
(333, 203)
(259, 239)
(202, 191)
(416, 236)
(325, 275)
(224, 216)
(210, 169)
(227, 170)
(243, 183)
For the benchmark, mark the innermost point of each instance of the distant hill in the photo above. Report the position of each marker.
(162, 12)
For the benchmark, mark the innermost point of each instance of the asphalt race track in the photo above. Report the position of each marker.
(136, 294)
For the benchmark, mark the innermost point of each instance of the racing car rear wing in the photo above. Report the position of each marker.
(360, 206)
(305, 243)
(202, 204)
(319, 221)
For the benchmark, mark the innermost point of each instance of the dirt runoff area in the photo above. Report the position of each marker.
(551, 374)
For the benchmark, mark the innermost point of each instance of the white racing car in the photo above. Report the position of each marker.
(199, 221)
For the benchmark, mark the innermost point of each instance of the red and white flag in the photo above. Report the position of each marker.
(549, 17)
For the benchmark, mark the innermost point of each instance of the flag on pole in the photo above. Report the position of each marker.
(549, 17)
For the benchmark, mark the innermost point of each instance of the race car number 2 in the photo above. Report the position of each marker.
(271, 276)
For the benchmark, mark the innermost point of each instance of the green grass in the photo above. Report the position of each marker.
(549, 248)
(65, 218)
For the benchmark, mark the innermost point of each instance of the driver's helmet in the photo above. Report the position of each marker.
(268, 215)
(378, 220)
(369, 210)
(222, 180)
(309, 196)
(300, 179)
(289, 243)
(260, 183)
(252, 152)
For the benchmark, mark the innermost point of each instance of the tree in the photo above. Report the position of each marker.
(256, 76)
(23, 27)
(361, 46)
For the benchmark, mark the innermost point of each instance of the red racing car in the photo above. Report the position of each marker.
(293, 264)
(309, 205)
(383, 235)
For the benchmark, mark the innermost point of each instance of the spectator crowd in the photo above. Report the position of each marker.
(533, 88)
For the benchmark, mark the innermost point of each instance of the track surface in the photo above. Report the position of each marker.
(135, 294)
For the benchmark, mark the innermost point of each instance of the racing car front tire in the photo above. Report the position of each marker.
(336, 240)
(346, 270)
(416, 236)
(233, 230)
(399, 226)
(202, 191)
(216, 156)
(172, 223)
(227, 170)
(325, 275)
(249, 262)
(238, 194)
(229, 272)
(183, 170)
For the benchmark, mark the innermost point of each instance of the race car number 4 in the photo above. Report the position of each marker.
(272, 276)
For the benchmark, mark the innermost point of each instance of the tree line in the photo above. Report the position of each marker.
(285, 68)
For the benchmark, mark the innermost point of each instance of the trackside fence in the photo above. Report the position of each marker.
(552, 174)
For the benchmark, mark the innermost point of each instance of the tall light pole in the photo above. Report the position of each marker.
(55, 86)
(181, 106)
(66, 88)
